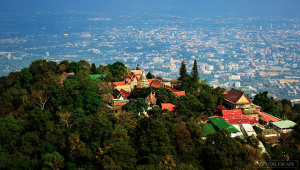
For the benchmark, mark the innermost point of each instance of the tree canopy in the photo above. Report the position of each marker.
(50, 119)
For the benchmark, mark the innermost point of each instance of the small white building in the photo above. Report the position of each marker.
(238, 128)
(248, 129)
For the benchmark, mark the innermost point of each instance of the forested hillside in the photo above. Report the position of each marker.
(52, 121)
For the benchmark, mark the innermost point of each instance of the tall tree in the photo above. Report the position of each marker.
(94, 69)
(74, 67)
(150, 75)
(184, 142)
(85, 65)
(195, 74)
(118, 70)
(182, 72)
(267, 104)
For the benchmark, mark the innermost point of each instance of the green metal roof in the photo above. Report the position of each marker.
(208, 129)
(95, 76)
(284, 124)
(221, 123)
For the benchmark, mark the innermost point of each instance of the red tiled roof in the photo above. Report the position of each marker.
(225, 93)
(119, 83)
(156, 83)
(267, 118)
(120, 108)
(180, 93)
(126, 94)
(234, 95)
(241, 120)
(236, 117)
(120, 103)
(168, 106)
(171, 88)
(231, 113)
(149, 80)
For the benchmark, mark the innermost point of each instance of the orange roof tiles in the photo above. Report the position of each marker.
(180, 93)
(126, 94)
(120, 103)
(156, 83)
(169, 106)
(229, 113)
(119, 83)
(268, 118)
(171, 88)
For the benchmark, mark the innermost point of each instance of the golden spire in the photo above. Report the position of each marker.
(143, 66)
(143, 80)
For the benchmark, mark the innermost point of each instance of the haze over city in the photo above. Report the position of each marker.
(234, 42)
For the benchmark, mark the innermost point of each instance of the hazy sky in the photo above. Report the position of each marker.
(282, 7)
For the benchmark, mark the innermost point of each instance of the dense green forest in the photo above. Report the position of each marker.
(45, 124)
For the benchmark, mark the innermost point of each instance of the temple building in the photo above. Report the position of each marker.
(143, 82)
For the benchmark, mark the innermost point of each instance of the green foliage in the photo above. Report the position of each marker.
(136, 106)
(164, 95)
(84, 64)
(189, 106)
(90, 102)
(82, 94)
(220, 146)
(118, 70)
(74, 67)
(155, 142)
(53, 161)
(140, 93)
(207, 100)
(195, 74)
(40, 67)
(94, 69)
(184, 142)
(149, 75)
(74, 129)
(182, 72)
(267, 104)
(23, 80)
(123, 155)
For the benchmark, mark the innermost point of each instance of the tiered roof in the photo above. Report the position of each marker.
(125, 94)
(127, 88)
(115, 84)
(118, 104)
(156, 83)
